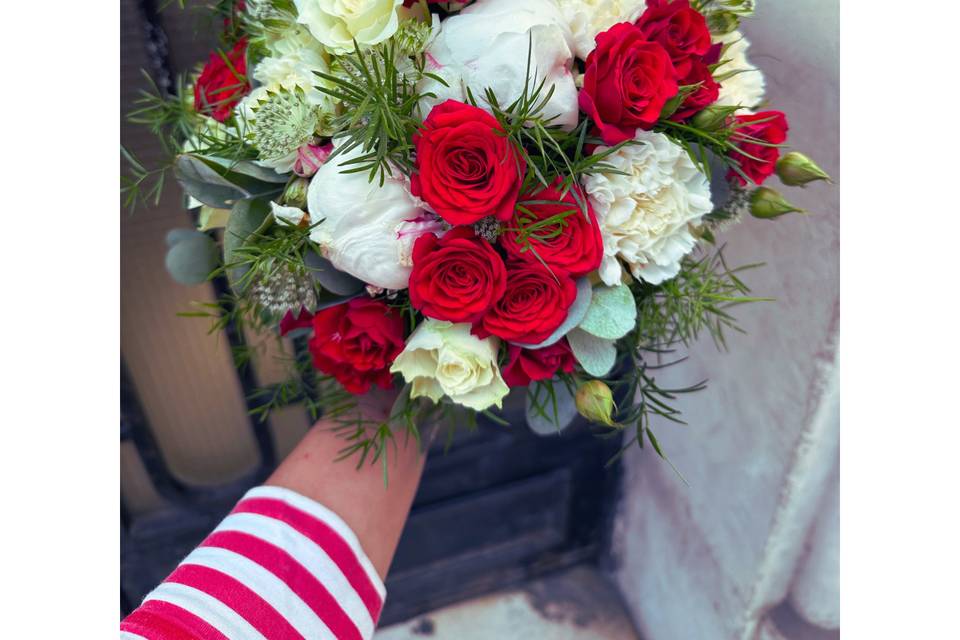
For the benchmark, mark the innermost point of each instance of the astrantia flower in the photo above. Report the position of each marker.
(337, 23)
(442, 358)
(367, 230)
(486, 46)
(587, 18)
(280, 123)
(741, 83)
(645, 215)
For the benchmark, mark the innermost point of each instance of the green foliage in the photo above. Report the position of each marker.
(698, 299)
(381, 111)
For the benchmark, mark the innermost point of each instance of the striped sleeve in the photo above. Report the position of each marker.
(280, 566)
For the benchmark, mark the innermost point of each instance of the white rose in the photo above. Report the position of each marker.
(367, 229)
(741, 83)
(587, 18)
(486, 46)
(645, 213)
(442, 358)
(337, 23)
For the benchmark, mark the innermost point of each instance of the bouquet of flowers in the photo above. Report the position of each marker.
(461, 198)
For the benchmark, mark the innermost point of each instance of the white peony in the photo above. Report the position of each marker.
(486, 46)
(645, 215)
(367, 230)
(442, 358)
(745, 84)
(587, 18)
(337, 23)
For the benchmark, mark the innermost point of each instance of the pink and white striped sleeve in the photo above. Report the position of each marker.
(279, 566)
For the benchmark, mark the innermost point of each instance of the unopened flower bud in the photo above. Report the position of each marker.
(595, 402)
(713, 117)
(311, 157)
(796, 170)
(295, 195)
(767, 203)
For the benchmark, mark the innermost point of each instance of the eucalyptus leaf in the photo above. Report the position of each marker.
(251, 169)
(205, 184)
(596, 355)
(332, 280)
(612, 313)
(575, 315)
(191, 260)
(555, 421)
(179, 234)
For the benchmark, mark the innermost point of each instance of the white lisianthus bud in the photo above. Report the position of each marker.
(767, 203)
(795, 170)
(442, 358)
(594, 402)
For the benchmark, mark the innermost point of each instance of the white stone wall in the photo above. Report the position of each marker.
(757, 524)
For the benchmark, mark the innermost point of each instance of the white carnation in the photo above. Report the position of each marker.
(486, 46)
(645, 213)
(587, 18)
(367, 230)
(337, 23)
(744, 85)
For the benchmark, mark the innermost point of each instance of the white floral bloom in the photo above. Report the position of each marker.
(291, 65)
(290, 216)
(486, 46)
(645, 215)
(745, 87)
(587, 18)
(337, 23)
(367, 229)
(442, 358)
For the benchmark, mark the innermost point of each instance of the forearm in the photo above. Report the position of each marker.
(376, 511)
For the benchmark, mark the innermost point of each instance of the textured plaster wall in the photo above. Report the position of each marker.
(757, 524)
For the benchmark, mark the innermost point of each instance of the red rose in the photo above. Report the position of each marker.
(535, 303)
(466, 168)
(457, 277)
(766, 127)
(682, 31)
(573, 243)
(221, 85)
(356, 342)
(626, 83)
(530, 365)
(704, 95)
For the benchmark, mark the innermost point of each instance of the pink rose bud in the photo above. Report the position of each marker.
(311, 157)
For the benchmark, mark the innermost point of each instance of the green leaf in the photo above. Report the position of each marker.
(191, 260)
(249, 169)
(205, 184)
(332, 280)
(221, 186)
(596, 355)
(246, 218)
(576, 313)
(550, 408)
(612, 313)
